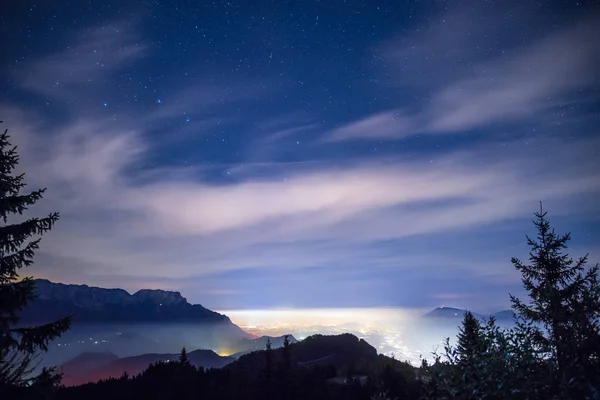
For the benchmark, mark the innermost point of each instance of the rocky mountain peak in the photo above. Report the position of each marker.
(158, 296)
(80, 295)
(93, 304)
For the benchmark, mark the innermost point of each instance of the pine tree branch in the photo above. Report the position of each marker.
(14, 296)
(9, 265)
(13, 236)
(37, 338)
(16, 204)
(19, 346)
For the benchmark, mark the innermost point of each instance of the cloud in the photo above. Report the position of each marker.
(202, 96)
(524, 83)
(95, 54)
(274, 137)
(289, 132)
(118, 220)
(536, 79)
(93, 74)
(385, 125)
(130, 220)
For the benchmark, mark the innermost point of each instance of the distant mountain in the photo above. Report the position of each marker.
(446, 313)
(93, 304)
(335, 350)
(91, 367)
(248, 345)
(504, 316)
(114, 321)
(451, 314)
(84, 364)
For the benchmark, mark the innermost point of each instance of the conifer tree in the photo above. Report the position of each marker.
(19, 346)
(469, 344)
(269, 359)
(287, 353)
(183, 358)
(565, 306)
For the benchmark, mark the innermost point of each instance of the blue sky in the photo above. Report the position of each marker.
(305, 154)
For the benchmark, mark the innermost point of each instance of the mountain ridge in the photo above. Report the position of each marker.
(334, 350)
(48, 289)
(94, 304)
(452, 313)
(91, 366)
(248, 345)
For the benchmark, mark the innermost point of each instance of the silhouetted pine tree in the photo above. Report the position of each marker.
(269, 359)
(469, 345)
(45, 385)
(287, 353)
(183, 358)
(565, 302)
(19, 346)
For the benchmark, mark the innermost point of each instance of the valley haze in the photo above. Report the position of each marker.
(155, 322)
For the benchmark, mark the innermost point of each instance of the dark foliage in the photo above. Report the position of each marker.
(553, 351)
(564, 305)
(183, 358)
(373, 375)
(360, 375)
(469, 339)
(20, 346)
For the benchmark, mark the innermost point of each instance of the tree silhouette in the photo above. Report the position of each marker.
(269, 359)
(553, 351)
(287, 353)
(19, 346)
(183, 358)
(565, 301)
(469, 344)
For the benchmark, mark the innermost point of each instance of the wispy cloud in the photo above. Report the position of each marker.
(93, 73)
(271, 137)
(115, 221)
(386, 125)
(536, 79)
(289, 132)
(524, 83)
(85, 63)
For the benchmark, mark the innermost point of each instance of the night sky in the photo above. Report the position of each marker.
(305, 153)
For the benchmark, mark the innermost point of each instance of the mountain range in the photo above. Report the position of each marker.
(451, 313)
(94, 355)
(88, 304)
(92, 304)
(248, 345)
(114, 321)
(335, 350)
(91, 367)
